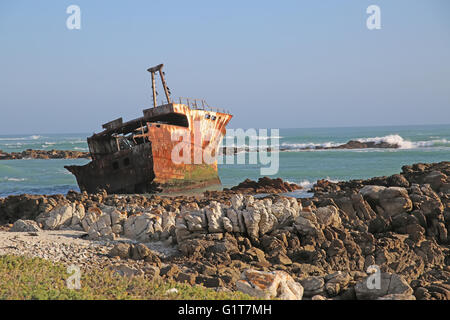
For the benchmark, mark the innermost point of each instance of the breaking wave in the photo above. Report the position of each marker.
(393, 139)
(307, 146)
(405, 144)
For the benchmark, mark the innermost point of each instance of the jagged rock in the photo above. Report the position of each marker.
(196, 221)
(170, 271)
(209, 282)
(269, 285)
(306, 224)
(395, 200)
(59, 217)
(236, 219)
(265, 185)
(214, 216)
(398, 180)
(139, 227)
(127, 271)
(313, 286)
(185, 277)
(328, 216)
(237, 201)
(252, 217)
(90, 218)
(121, 250)
(435, 179)
(372, 192)
(361, 208)
(140, 252)
(78, 213)
(25, 226)
(336, 282)
(285, 210)
(151, 272)
(389, 284)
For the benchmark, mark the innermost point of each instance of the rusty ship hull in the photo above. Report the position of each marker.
(138, 156)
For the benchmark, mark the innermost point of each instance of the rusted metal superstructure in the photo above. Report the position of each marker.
(172, 147)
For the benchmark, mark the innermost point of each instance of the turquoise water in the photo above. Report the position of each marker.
(418, 144)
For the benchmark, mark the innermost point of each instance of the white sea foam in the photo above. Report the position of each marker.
(33, 137)
(404, 144)
(393, 139)
(13, 179)
(306, 184)
(308, 145)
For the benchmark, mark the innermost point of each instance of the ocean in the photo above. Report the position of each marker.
(427, 143)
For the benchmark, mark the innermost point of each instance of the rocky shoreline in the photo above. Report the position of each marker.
(71, 154)
(322, 247)
(44, 154)
(352, 144)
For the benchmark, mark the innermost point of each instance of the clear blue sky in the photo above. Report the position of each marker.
(271, 63)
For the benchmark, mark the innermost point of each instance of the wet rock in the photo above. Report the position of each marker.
(265, 185)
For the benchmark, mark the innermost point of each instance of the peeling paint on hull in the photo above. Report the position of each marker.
(138, 156)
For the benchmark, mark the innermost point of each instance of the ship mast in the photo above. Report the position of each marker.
(153, 70)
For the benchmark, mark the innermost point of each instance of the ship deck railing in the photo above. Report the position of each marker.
(198, 104)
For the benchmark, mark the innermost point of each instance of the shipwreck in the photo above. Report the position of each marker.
(138, 156)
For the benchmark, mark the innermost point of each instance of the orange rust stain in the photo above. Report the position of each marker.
(203, 132)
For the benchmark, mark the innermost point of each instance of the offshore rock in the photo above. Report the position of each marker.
(266, 185)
